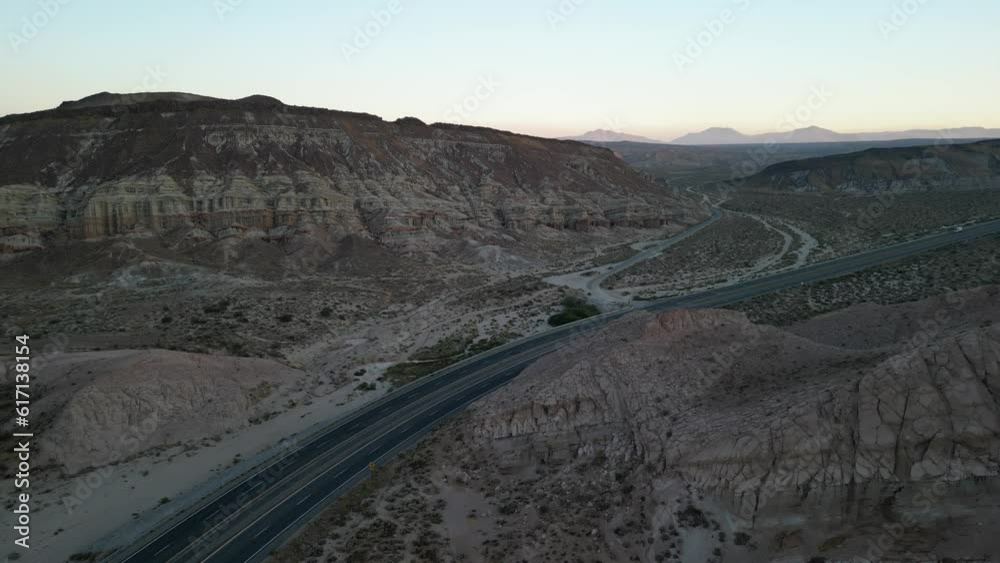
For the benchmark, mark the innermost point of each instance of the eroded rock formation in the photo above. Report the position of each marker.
(810, 447)
(112, 165)
(103, 408)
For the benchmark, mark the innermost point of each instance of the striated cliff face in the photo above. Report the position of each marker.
(945, 166)
(150, 164)
(809, 448)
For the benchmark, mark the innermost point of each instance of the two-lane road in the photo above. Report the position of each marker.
(258, 512)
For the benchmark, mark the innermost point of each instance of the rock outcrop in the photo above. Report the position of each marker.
(103, 408)
(811, 448)
(146, 165)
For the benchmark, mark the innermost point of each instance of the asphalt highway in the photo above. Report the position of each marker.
(258, 512)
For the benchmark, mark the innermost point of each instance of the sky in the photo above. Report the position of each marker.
(658, 68)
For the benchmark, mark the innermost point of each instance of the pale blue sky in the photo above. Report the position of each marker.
(608, 64)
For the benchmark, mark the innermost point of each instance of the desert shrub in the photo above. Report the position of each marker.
(215, 308)
(691, 517)
(574, 309)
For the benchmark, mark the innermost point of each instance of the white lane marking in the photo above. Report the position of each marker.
(333, 492)
(525, 357)
(262, 531)
(971, 233)
(305, 498)
(159, 551)
(367, 410)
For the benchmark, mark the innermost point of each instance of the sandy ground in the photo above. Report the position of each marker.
(797, 248)
(120, 502)
(663, 452)
(590, 280)
(97, 510)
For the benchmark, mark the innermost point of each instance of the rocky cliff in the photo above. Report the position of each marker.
(802, 448)
(943, 166)
(144, 165)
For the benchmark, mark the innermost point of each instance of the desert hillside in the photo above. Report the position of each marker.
(698, 436)
(157, 398)
(938, 167)
(210, 277)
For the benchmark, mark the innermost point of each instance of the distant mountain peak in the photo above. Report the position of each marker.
(816, 134)
(609, 136)
(713, 136)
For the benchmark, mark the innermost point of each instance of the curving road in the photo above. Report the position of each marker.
(258, 512)
(592, 284)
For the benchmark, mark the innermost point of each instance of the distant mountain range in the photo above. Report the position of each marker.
(606, 136)
(727, 136)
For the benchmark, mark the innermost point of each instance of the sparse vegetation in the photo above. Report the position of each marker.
(692, 517)
(441, 355)
(732, 247)
(848, 224)
(957, 267)
(574, 309)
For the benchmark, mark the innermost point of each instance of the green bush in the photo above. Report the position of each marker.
(450, 347)
(574, 309)
(446, 352)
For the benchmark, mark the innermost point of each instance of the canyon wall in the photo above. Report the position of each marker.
(122, 165)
